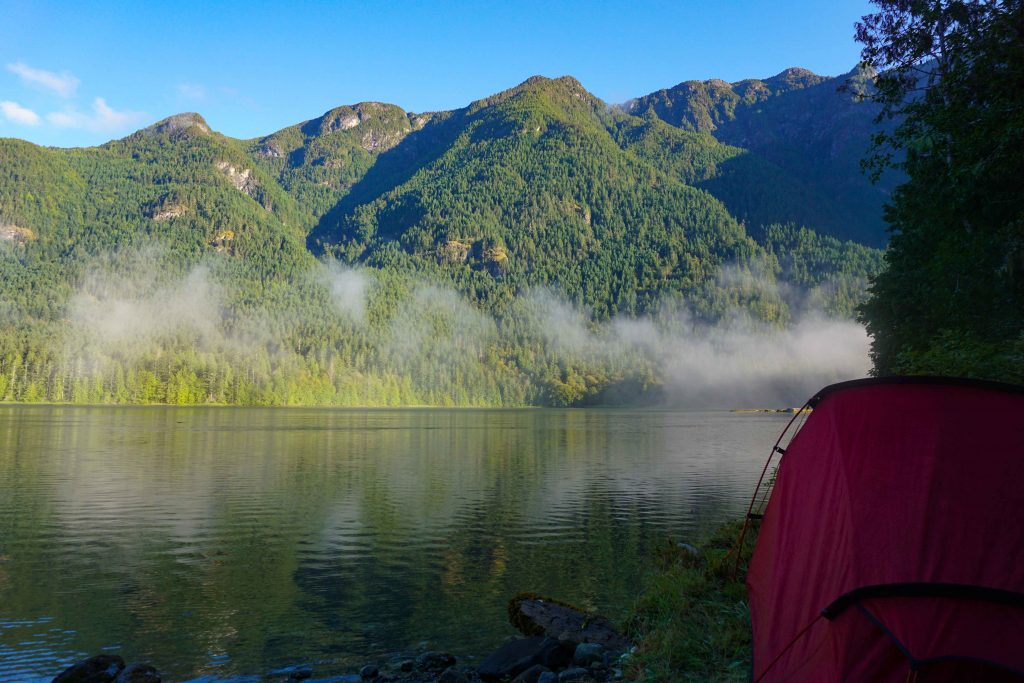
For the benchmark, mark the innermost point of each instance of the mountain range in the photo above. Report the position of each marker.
(616, 208)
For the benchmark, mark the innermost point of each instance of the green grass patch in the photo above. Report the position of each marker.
(692, 622)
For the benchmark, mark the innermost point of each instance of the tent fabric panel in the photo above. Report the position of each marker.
(792, 573)
(889, 483)
(934, 478)
(937, 628)
(851, 648)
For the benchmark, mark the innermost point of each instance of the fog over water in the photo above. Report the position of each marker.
(738, 361)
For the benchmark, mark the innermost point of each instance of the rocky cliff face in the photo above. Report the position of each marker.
(180, 124)
(241, 178)
(380, 126)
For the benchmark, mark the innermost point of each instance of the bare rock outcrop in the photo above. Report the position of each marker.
(179, 124)
(223, 242)
(379, 126)
(272, 149)
(166, 210)
(241, 178)
(16, 234)
(417, 121)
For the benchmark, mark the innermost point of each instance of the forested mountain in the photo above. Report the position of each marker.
(373, 255)
(530, 188)
(800, 140)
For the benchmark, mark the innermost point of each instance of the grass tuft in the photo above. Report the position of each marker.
(691, 622)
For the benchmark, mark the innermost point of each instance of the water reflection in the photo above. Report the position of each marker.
(217, 542)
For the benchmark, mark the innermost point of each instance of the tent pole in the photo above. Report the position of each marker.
(753, 498)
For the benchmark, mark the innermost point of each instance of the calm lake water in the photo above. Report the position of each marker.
(223, 542)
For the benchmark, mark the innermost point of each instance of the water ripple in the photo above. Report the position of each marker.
(221, 544)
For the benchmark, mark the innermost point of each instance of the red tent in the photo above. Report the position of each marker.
(892, 547)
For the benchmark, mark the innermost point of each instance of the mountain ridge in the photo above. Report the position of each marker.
(543, 173)
(796, 129)
(372, 255)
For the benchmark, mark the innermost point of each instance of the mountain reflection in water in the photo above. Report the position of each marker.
(219, 542)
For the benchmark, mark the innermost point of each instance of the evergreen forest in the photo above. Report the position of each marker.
(537, 247)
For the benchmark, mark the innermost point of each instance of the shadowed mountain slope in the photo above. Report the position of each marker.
(806, 131)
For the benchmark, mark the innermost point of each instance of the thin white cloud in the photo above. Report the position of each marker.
(13, 111)
(103, 119)
(63, 84)
(192, 91)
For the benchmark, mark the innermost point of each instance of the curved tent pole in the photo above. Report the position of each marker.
(763, 503)
(760, 480)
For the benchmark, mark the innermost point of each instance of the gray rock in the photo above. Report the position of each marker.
(300, 675)
(548, 677)
(532, 674)
(690, 555)
(588, 654)
(369, 672)
(138, 673)
(513, 658)
(185, 122)
(435, 660)
(98, 669)
(272, 149)
(407, 665)
(535, 616)
(574, 674)
(452, 675)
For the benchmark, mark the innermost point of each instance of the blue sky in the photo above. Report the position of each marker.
(83, 73)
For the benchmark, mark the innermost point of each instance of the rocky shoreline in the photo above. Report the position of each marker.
(560, 644)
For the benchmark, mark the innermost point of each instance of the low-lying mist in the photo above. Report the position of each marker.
(354, 336)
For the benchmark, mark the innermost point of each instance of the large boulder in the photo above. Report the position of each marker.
(534, 615)
(588, 654)
(98, 669)
(515, 657)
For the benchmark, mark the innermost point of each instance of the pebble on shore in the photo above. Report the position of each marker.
(560, 644)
